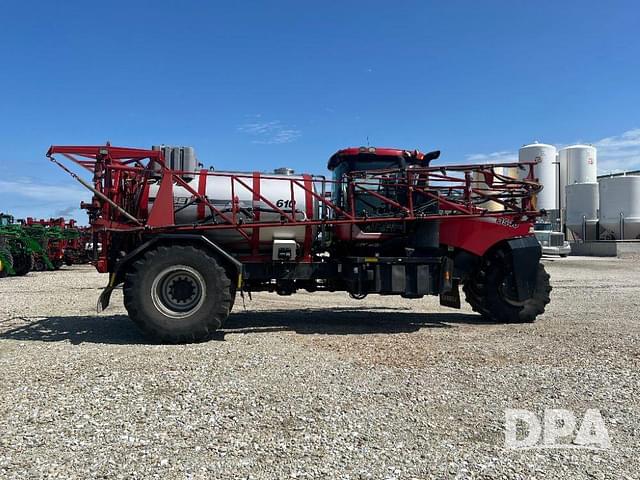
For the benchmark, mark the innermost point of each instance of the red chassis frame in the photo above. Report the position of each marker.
(122, 177)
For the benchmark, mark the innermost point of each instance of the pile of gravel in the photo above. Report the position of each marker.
(315, 385)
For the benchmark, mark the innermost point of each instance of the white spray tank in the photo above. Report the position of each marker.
(274, 187)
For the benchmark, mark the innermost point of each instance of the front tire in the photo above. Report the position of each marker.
(38, 264)
(487, 294)
(177, 294)
(23, 263)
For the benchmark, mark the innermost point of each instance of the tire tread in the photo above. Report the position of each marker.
(132, 295)
(481, 303)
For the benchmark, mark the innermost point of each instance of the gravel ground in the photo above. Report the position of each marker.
(315, 386)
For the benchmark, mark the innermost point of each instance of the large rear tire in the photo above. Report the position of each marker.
(488, 294)
(177, 294)
(22, 263)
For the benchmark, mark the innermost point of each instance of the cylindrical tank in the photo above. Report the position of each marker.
(544, 155)
(218, 190)
(178, 158)
(578, 164)
(620, 207)
(512, 172)
(479, 183)
(582, 208)
(284, 171)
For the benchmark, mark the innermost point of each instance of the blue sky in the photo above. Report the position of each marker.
(257, 85)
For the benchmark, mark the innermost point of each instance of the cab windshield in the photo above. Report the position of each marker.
(357, 163)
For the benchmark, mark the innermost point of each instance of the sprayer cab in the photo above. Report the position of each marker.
(373, 175)
(372, 158)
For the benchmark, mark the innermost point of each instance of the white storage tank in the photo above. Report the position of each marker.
(217, 188)
(620, 207)
(479, 183)
(582, 209)
(512, 172)
(578, 164)
(544, 155)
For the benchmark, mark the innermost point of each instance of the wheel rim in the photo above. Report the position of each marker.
(508, 294)
(178, 291)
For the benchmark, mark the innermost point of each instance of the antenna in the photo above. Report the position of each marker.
(368, 141)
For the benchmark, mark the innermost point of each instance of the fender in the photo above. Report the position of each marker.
(116, 276)
(525, 257)
(479, 234)
(524, 254)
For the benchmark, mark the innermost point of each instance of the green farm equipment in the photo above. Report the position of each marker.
(6, 259)
(37, 233)
(50, 236)
(17, 249)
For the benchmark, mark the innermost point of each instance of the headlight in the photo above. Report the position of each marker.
(545, 242)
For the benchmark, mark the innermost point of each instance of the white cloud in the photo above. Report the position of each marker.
(25, 187)
(615, 154)
(620, 152)
(66, 212)
(630, 138)
(272, 132)
(493, 157)
(24, 197)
